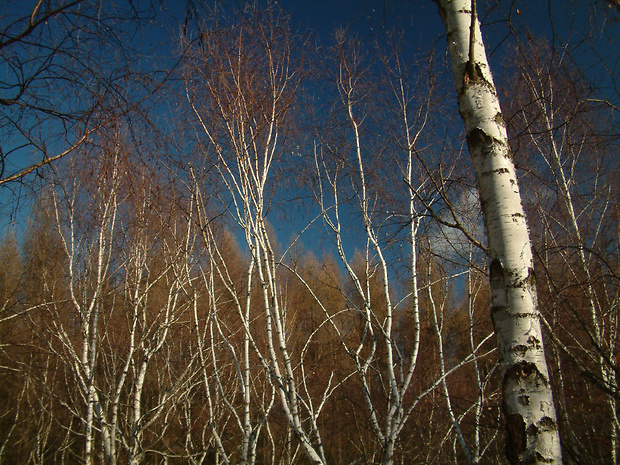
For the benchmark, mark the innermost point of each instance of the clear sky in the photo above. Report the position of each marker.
(558, 20)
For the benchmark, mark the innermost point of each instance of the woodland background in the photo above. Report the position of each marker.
(262, 242)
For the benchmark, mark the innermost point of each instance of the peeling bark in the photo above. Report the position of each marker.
(531, 425)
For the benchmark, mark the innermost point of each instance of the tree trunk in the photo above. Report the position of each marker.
(531, 425)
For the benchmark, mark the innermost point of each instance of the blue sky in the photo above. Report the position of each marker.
(423, 28)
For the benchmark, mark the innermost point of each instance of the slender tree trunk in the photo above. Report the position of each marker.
(532, 431)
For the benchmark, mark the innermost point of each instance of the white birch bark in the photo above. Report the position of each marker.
(86, 295)
(377, 330)
(373, 279)
(555, 136)
(109, 364)
(240, 118)
(378, 306)
(235, 356)
(527, 399)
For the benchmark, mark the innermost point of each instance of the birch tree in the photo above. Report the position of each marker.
(381, 366)
(239, 398)
(381, 328)
(564, 137)
(242, 84)
(529, 412)
(105, 310)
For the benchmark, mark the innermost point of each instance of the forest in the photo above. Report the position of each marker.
(251, 233)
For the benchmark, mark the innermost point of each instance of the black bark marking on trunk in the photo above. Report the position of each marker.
(498, 308)
(472, 75)
(541, 459)
(534, 342)
(517, 438)
(497, 275)
(547, 424)
(523, 370)
(520, 350)
(497, 171)
(499, 120)
(524, 399)
(477, 138)
(531, 279)
(518, 433)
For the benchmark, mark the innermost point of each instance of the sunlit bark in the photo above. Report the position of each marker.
(528, 402)
(564, 136)
(241, 87)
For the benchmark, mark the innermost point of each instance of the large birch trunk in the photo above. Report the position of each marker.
(532, 431)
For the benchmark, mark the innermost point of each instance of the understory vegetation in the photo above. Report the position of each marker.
(271, 250)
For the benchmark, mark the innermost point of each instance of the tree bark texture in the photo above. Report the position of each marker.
(531, 425)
